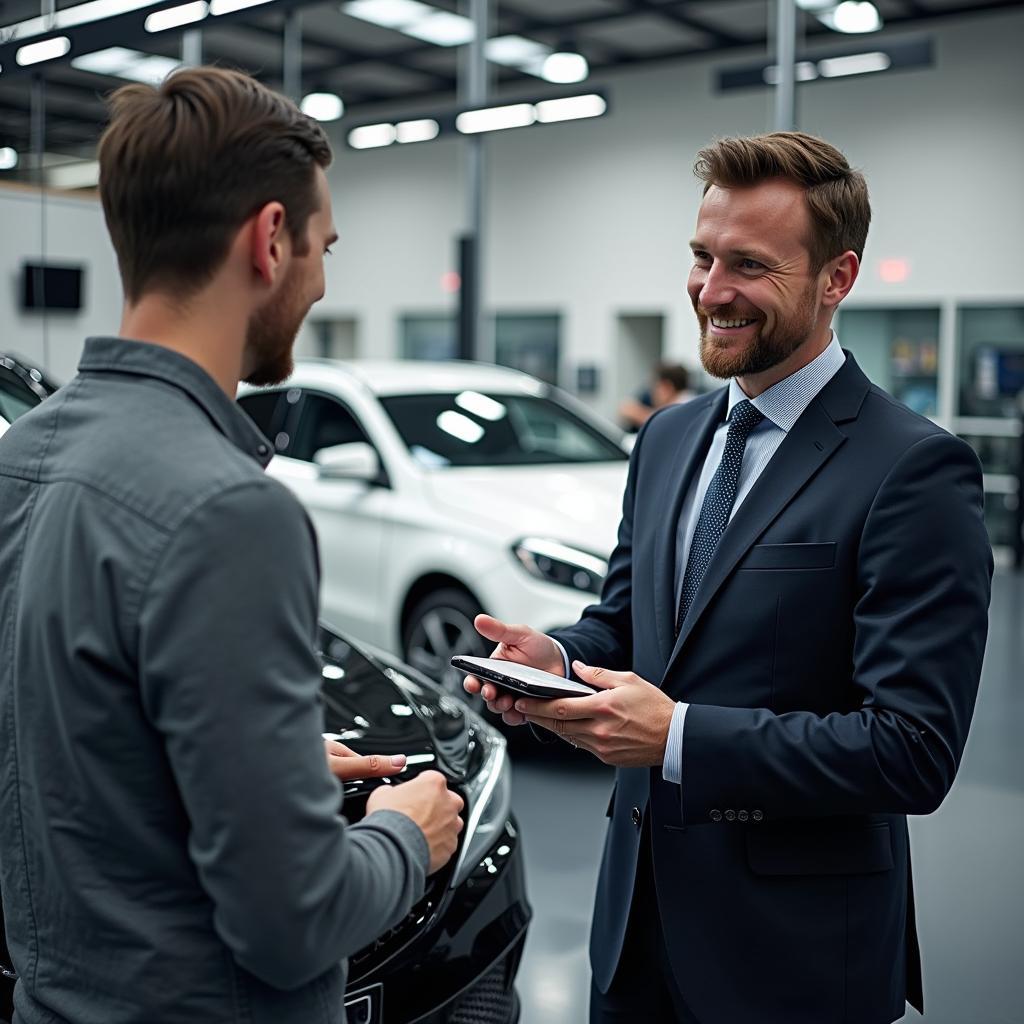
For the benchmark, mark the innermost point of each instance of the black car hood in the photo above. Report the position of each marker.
(376, 704)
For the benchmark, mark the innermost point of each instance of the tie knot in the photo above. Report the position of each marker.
(743, 418)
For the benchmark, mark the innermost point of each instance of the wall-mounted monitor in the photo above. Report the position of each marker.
(49, 286)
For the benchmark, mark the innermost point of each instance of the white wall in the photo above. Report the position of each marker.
(592, 219)
(75, 234)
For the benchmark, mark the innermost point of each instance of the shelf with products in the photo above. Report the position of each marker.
(990, 409)
(898, 348)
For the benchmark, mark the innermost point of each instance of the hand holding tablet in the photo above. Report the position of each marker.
(522, 679)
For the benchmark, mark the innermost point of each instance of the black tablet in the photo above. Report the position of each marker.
(521, 679)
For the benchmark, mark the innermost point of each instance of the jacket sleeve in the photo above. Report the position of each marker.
(229, 679)
(920, 621)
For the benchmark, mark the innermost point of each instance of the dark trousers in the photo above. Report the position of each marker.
(643, 988)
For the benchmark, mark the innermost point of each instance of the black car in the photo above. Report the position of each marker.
(22, 387)
(453, 960)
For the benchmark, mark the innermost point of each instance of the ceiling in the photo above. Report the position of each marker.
(368, 65)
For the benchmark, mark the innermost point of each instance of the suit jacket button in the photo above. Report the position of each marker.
(730, 815)
(716, 815)
(743, 815)
(635, 816)
(758, 815)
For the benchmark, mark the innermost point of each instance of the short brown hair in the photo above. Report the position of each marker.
(673, 373)
(837, 195)
(184, 165)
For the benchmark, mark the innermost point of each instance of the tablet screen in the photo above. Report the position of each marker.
(498, 670)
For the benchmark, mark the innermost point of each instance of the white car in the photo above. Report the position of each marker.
(440, 490)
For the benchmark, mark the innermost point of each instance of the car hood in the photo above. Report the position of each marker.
(375, 704)
(576, 504)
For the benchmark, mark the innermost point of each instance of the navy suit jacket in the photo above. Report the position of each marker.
(831, 659)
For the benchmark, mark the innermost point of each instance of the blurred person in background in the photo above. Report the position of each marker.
(788, 643)
(171, 848)
(671, 384)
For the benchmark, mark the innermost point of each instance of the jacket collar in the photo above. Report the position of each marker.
(143, 359)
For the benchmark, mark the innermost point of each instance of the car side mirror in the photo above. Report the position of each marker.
(354, 461)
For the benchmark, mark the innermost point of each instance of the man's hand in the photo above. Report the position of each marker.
(346, 764)
(625, 725)
(432, 805)
(524, 646)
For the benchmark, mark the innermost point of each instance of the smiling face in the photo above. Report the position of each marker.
(757, 297)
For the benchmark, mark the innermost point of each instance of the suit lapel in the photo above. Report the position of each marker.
(808, 446)
(685, 464)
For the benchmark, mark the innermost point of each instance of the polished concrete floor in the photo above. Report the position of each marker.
(968, 858)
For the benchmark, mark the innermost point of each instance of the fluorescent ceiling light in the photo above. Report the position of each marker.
(815, 5)
(515, 51)
(387, 13)
(494, 119)
(442, 29)
(8, 158)
(80, 14)
(48, 49)
(81, 174)
(852, 16)
(323, 106)
(219, 7)
(175, 17)
(462, 427)
(422, 130)
(570, 109)
(855, 64)
(565, 68)
(804, 71)
(124, 63)
(481, 405)
(370, 136)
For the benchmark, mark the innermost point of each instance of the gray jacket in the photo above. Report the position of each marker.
(170, 844)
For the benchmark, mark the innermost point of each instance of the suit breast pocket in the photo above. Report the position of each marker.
(790, 556)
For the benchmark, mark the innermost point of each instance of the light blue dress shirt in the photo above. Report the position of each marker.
(781, 405)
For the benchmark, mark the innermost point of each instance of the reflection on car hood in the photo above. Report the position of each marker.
(377, 705)
(576, 504)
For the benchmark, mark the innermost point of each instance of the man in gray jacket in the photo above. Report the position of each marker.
(170, 844)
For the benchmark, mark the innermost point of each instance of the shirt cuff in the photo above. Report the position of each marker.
(565, 657)
(672, 769)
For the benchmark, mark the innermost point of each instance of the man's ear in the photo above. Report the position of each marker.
(842, 272)
(269, 241)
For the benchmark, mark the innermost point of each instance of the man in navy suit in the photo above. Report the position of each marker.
(788, 643)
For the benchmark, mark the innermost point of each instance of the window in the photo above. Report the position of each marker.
(429, 337)
(472, 429)
(529, 343)
(323, 423)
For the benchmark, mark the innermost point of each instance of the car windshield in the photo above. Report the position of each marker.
(469, 428)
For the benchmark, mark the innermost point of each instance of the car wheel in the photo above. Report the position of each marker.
(440, 625)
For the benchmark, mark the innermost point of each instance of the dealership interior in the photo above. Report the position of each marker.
(512, 184)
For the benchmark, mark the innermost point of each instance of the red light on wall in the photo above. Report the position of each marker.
(893, 271)
(450, 282)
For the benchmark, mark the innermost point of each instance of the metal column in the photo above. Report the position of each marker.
(473, 92)
(192, 47)
(785, 61)
(292, 56)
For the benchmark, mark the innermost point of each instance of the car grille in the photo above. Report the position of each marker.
(490, 1001)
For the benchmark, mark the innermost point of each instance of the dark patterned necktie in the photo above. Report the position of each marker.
(718, 502)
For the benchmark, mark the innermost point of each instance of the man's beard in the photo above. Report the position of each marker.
(270, 337)
(765, 351)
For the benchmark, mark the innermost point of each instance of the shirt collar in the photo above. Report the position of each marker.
(143, 359)
(784, 403)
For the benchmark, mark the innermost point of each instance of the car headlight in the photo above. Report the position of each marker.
(488, 802)
(567, 566)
